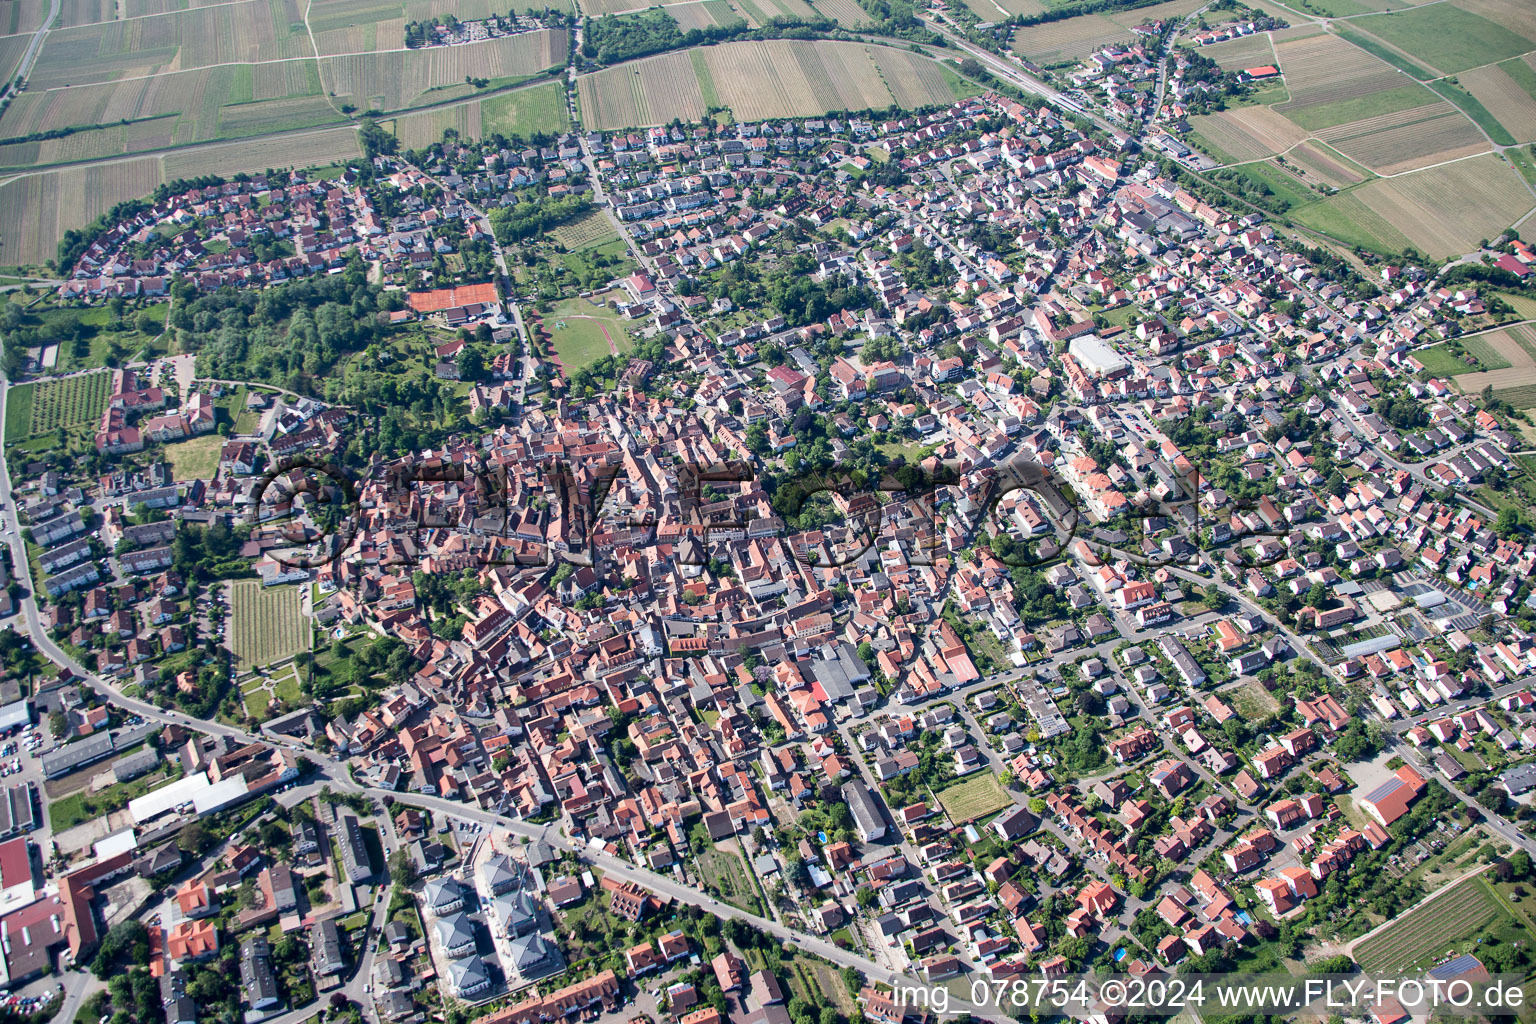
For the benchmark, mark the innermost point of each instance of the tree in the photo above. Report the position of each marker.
(192, 838)
(127, 942)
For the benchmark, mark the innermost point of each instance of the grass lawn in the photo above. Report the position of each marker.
(1441, 361)
(1121, 315)
(197, 459)
(974, 798)
(18, 411)
(83, 805)
(1251, 700)
(287, 686)
(257, 697)
(526, 111)
(589, 334)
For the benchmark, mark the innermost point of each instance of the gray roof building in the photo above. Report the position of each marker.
(866, 813)
(256, 976)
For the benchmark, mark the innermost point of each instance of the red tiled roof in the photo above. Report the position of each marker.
(447, 298)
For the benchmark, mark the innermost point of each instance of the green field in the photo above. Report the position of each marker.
(197, 459)
(268, 625)
(18, 411)
(587, 333)
(1357, 108)
(1349, 220)
(525, 112)
(1441, 361)
(83, 805)
(975, 798)
(1445, 37)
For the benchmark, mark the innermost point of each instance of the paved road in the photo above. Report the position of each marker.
(661, 884)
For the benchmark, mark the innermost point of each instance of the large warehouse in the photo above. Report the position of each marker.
(1097, 359)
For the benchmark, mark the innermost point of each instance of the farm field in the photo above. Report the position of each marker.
(641, 93)
(995, 10)
(1324, 69)
(1513, 376)
(267, 625)
(763, 79)
(598, 8)
(1068, 40)
(238, 32)
(417, 131)
(313, 149)
(1448, 210)
(22, 16)
(1408, 139)
(1508, 92)
(592, 230)
(1445, 37)
(1248, 133)
(1488, 355)
(849, 14)
(967, 801)
(708, 14)
(1326, 165)
(1427, 932)
(1515, 15)
(36, 209)
(524, 112)
(69, 401)
(170, 109)
(1236, 54)
(785, 78)
(399, 79)
(1131, 17)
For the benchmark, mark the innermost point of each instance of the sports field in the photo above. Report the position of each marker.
(583, 332)
(267, 624)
